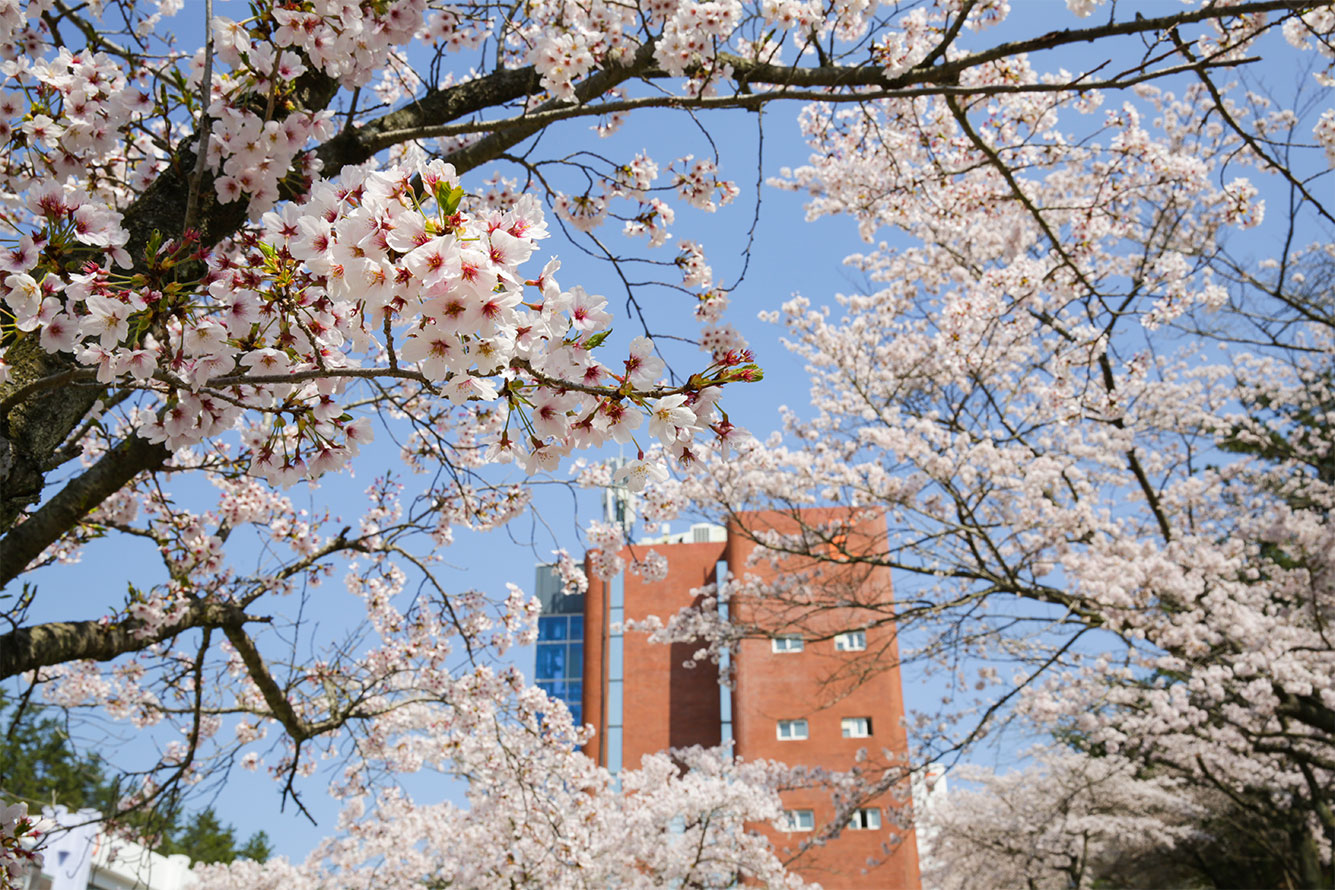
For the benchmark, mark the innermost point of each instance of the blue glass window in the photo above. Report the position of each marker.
(566, 690)
(552, 627)
(576, 627)
(551, 661)
(575, 660)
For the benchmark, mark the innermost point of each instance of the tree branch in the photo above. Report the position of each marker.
(26, 541)
(59, 642)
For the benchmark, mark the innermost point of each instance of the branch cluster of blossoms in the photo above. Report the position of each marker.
(18, 833)
(67, 116)
(605, 543)
(651, 567)
(539, 815)
(347, 41)
(573, 579)
(701, 624)
(369, 265)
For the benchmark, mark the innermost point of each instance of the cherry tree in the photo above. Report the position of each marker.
(1093, 414)
(1069, 821)
(226, 266)
(1074, 820)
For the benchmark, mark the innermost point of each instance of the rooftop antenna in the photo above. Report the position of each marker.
(619, 501)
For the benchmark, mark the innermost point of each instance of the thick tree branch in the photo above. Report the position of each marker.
(34, 428)
(430, 116)
(27, 649)
(115, 469)
(1306, 709)
(274, 697)
(948, 72)
(60, 642)
(353, 146)
(593, 86)
(753, 101)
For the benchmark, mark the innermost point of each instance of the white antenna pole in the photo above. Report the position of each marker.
(619, 502)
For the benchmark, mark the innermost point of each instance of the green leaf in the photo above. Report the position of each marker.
(448, 196)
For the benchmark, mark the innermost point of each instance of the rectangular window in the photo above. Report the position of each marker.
(850, 641)
(792, 729)
(865, 819)
(552, 627)
(798, 820)
(787, 643)
(551, 661)
(856, 727)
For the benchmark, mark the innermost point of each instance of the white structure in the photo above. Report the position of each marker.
(699, 533)
(80, 856)
(929, 791)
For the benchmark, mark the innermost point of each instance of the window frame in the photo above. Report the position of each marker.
(843, 641)
(783, 644)
(793, 723)
(855, 727)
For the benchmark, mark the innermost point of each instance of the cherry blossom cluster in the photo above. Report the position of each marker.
(255, 155)
(65, 116)
(543, 816)
(365, 257)
(605, 543)
(1069, 819)
(661, 502)
(346, 39)
(18, 833)
(651, 567)
(699, 184)
(252, 146)
(571, 573)
(702, 624)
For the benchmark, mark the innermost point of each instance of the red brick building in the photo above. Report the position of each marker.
(800, 693)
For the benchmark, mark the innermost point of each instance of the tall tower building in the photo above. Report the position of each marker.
(802, 690)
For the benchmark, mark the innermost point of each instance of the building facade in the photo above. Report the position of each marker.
(80, 856)
(802, 692)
